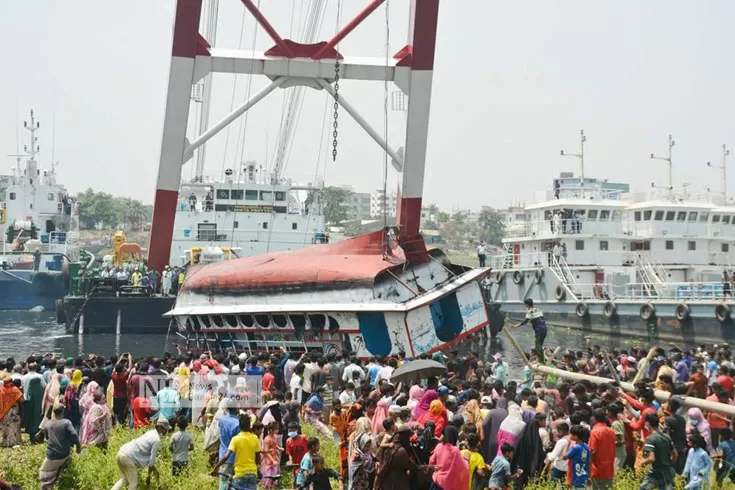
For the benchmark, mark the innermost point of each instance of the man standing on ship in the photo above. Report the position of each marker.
(36, 260)
(536, 317)
(481, 255)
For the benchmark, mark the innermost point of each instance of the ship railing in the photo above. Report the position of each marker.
(639, 291)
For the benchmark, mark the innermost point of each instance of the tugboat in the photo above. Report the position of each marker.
(39, 226)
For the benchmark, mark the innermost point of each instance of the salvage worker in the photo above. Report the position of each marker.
(536, 317)
(36, 259)
(135, 278)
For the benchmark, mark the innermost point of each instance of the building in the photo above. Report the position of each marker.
(514, 214)
(381, 204)
(359, 205)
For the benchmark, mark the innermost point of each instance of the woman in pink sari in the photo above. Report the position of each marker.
(87, 399)
(424, 403)
(97, 423)
(511, 427)
(381, 413)
(452, 470)
(415, 394)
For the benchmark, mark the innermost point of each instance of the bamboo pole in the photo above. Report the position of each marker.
(610, 365)
(517, 348)
(644, 364)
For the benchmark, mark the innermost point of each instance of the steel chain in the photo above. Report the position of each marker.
(335, 124)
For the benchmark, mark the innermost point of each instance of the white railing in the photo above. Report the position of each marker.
(680, 291)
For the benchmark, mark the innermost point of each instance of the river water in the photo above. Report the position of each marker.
(23, 333)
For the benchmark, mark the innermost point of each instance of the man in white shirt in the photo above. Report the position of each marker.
(386, 371)
(309, 368)
(556, 251)
(555, 457)
(25, 381)
(140, 453)
(481, 255)
(347, 397)
(296, 383)
(353, 367)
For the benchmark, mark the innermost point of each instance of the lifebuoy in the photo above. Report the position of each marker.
(518, 277)
(647, 311)
(681, 312)
(560, 293)
(609, 309)
(499, 277)
(722, 312)
(582, 310)
(538, 275)
(60, 312)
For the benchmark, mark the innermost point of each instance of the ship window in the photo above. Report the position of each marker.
(647, 215)
(236, 224)
(317, 323)
(693, 216)
(236, 194)
(280, 321)
(217, 321)
(12, 196)
(681, 216)
(637, 215)
(659, 216)
(725, 247)
(230, 320)
(207, 232)
(725, 219)
(265, 225)
(333, 325)
(266, 195)
(603, 245)
(223, 193)
(294, 226)
(715, 218)
(299, 325)
(280, 196)
(669, 244)
(246, 320)
(251, 195)
(646, 245)
(692, 245)
(670, 215)
(263, 320)
(50, 196)
(592, 215)
(578, 244)
(204, 321)
(604, 215)
(616, 215)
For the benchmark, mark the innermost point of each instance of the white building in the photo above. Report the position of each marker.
(381, 203)
(359, 205)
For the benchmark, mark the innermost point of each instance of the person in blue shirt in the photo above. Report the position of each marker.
(253, 369)
(726, 453)
(229, 427)
(579, 455)
(698, 465)
(536, 317)
(373, 371)
(500, 474)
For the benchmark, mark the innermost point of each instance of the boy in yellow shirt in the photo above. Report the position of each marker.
(246, 448)
(475, 461)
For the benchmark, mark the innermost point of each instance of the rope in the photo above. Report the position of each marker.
(385, 127)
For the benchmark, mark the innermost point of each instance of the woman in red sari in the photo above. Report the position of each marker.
(437, 413)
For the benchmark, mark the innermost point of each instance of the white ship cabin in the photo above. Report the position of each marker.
(250, 216)
(681, 239)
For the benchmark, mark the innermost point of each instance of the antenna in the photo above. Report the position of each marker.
(580, 155)
(671, 165)
(723, 167)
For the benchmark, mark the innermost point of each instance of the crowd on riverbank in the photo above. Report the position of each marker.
(472, 428)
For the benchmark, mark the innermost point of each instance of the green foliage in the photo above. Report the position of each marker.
(491, 226)
(110, 211)
(333, 201)
(355, 228)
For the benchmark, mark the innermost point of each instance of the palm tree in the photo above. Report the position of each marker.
(135, 214)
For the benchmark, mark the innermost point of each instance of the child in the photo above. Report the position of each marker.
(578, 456)
(319, 479)
(270, 455)
(698, 465)
(500, 474)
(295, 447)
(556, 457)
(475, 461)
(181, 443)
(726, 452)
(307, 462)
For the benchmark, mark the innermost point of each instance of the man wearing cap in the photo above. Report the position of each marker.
(536, 317)
(140, 453)
(61, 438)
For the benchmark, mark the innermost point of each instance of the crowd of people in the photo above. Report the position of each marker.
(473, 428)
(137, 275)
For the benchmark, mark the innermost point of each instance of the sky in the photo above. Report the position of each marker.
(514, 82)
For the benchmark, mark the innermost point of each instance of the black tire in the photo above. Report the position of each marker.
(60, 312)
(538, 276)
(518, 277)
(582, 310)
(499, 277)
(681, 312)
(722, 312)
(560, 293)
(609, 310)
(647, 311)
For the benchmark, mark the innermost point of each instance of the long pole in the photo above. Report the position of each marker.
(725, 153)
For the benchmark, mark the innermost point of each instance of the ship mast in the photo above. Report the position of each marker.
(723, 167)
(210, 33)
(671, 165)
(580, 155)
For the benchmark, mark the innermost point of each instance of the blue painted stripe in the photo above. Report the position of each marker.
(374, 332)
(447, 318)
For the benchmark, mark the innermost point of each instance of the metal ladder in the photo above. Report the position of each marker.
(565, 275)
(650, 276)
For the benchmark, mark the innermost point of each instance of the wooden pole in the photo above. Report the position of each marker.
(517, 347)
(644, 364)
(613, 372)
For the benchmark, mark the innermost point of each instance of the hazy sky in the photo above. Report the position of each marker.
(514, 82)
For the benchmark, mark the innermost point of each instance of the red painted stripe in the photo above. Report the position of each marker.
(186, 29)
(409, 213)
(162, 228)
(408, 334)
(424, 15)
(458, 339)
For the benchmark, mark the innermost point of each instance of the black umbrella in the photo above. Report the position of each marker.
(415, 370)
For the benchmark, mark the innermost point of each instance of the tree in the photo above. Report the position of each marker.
(491, 226)
(334, 201)
(103, 209)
